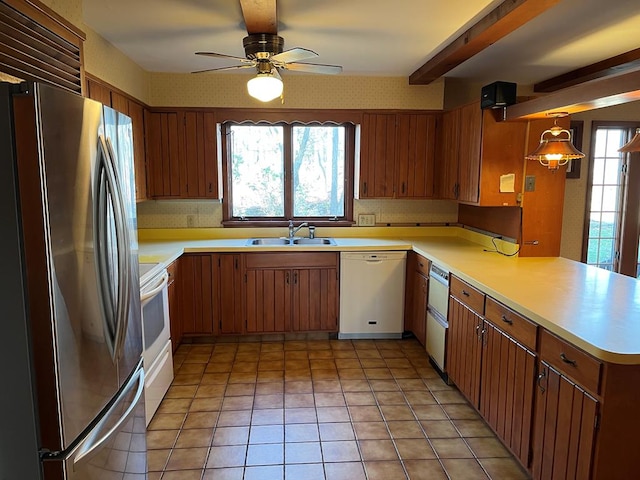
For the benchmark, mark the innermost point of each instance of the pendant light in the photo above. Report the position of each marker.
(267, 84)
(556, 149)
(632, 145)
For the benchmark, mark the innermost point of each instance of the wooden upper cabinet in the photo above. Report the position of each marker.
(136, 112)
(477, 150)
(99, 92)
(469, 153)
(397, 155)
(377, 155)
(446, 168)
(415, 155)
(181, 154)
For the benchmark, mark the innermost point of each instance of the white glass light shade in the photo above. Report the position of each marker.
(265, 87)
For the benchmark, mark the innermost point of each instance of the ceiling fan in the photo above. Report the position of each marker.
(264, 51)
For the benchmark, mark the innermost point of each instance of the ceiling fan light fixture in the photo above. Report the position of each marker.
(265, 86)
(556, 149)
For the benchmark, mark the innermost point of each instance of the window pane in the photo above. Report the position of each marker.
(257, 168)
(318, 171)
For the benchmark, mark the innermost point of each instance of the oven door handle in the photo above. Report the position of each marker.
(148, 294)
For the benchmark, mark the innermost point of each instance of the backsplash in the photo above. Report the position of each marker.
(208, 213)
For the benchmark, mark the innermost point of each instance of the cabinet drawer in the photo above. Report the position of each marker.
(291, 260)
(422, 265)
(511, 323)
(572, 361)
(470, 296)
(171, 270)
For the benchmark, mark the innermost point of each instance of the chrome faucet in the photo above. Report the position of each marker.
(293, 230)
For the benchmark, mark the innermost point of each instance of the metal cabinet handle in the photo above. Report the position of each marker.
(568, 361)
(287, 278)
(507, 320)
(364, 188)
(541, 377)
(465, 293)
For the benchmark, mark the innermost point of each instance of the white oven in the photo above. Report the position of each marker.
(156, 335)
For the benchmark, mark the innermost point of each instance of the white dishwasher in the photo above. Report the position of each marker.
(372, 294)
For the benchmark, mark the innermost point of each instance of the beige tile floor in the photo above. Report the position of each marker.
(318, 409)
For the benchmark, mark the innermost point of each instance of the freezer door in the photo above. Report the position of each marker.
(116, 448)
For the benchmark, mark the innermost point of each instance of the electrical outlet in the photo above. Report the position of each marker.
(366, 220)
(191, 221)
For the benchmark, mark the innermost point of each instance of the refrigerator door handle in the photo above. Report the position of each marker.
(122, 238)
(91, 444)
(115, 305)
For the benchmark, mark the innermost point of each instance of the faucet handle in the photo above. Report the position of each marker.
(312, 231)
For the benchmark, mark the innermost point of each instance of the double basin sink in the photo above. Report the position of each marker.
(291, 241)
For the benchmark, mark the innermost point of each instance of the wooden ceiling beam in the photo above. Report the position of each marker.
(622, 63)
(599, 93)
(501, 21)
(260, 16)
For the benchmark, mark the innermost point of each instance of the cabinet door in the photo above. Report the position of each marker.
(98, 92)
(230, 294)
(175, 314)
(268, 300)
(464, 349)
(377, 155)
(506, 398)
(420, 292)
(315, 299)
(446, 168)
(136, 112)
(200, 169)
(469, 153)
(198, 275)
(416, 144)
(165, 153)
(564, 428)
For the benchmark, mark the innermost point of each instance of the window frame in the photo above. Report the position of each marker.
(628, 220)
(228, 220)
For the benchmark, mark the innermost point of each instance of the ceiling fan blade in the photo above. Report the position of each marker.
(222, 55)
(235, 67)
(260, 16)
(294, 55)
(313, 68)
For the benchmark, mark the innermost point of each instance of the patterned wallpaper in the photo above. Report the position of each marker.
(208, 213)
(300, 91)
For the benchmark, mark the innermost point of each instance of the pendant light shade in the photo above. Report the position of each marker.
(555, 148)
(633, 145)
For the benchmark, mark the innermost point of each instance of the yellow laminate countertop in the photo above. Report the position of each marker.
(594, 309)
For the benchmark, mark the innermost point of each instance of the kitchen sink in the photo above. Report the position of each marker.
(268, 241)
(314, 241)
(287, 241)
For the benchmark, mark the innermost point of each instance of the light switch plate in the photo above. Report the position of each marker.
(366, 220)
(530, 183)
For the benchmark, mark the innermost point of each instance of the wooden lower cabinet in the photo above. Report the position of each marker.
(291, 292)
(464, 349)
(230, 294)
(198, 293)
(565, 428)
(506, 389)
(420, 286)
(315, 300)
(175, 321)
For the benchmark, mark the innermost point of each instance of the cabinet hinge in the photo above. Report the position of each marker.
(623, 168)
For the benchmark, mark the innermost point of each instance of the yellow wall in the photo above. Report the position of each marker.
(576, 189)
(300, 91)
(101, 58)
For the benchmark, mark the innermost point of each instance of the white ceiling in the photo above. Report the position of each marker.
(371, 37)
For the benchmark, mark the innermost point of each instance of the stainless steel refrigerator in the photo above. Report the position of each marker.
(72, 404)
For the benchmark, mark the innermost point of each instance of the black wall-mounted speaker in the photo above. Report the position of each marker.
(498, 95)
